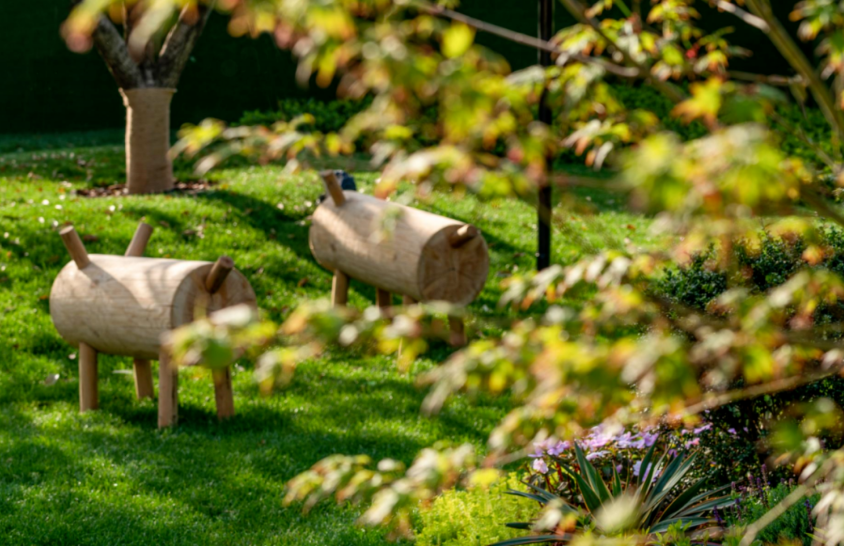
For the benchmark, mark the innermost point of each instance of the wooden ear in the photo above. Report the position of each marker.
(463, 235)
(333, 187)
(75, 247)
(219, 271)
(139, 240)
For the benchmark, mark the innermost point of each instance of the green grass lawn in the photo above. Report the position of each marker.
(110, 477)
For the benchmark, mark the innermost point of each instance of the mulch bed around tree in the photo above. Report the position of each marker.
(190, 187)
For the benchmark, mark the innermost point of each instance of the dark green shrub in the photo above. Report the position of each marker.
(796, 524)
(695, 285)
(329, 116)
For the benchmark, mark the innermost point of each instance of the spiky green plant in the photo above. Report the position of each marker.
(645, 504)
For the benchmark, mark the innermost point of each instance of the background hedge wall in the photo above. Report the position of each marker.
(45, 87)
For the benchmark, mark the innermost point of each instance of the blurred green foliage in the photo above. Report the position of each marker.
(473, 517)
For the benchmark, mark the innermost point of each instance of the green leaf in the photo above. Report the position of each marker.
(663, 525)
(538, 539)
(590, 498)
(457, 40)
(593, 478)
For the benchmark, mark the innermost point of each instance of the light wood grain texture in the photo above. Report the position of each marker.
(335, 190)
(223, 393)
(383, 299)
(143, 378)
(219, 271)
(88, 389)
(168, 390)
(415, 259)
(75, 247)
(458, 332)
(139, 241)
(339, 289)
(463, 235)
(122, 305)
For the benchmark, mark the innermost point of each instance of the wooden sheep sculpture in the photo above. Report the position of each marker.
(123, 305)
(425, 257)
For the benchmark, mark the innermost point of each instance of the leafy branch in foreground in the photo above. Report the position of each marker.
(447, 112)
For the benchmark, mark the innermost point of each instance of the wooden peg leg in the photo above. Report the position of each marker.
(168, 390)
(75, 247)
(458, 332)
(219, 271)
(339, 289)
(383, 299)
(223, 393)
(143, 379)
(88, 394)
(139, 240)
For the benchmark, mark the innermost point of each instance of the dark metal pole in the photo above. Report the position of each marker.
(543, 253)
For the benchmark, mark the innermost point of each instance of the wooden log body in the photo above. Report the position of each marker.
(417, 259)
(122, 305)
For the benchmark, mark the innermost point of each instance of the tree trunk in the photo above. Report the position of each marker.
(147, 82)
(148, 166)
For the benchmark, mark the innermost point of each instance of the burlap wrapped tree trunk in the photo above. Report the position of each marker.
(148, 165)
(147, 72)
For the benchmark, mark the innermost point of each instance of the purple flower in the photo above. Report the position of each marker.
(649, 439)
(638, 467)
(596, 454)
(704, 428)
(693, 442)
(557, 449)
(624, 441)
(540, 466)
(540, 448)
(732, 431)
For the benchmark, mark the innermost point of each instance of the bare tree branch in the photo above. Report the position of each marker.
(795, 57)
(748, 18)
(771, 387)
(114, 52)
(179, 44)
(772, 79)
(530, 41)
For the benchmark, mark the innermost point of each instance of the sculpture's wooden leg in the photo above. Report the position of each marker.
(383, 299)
(88, 394)
(143, 379)
(339, 289)
(168, 390)
(458, 332)
(223, 393)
